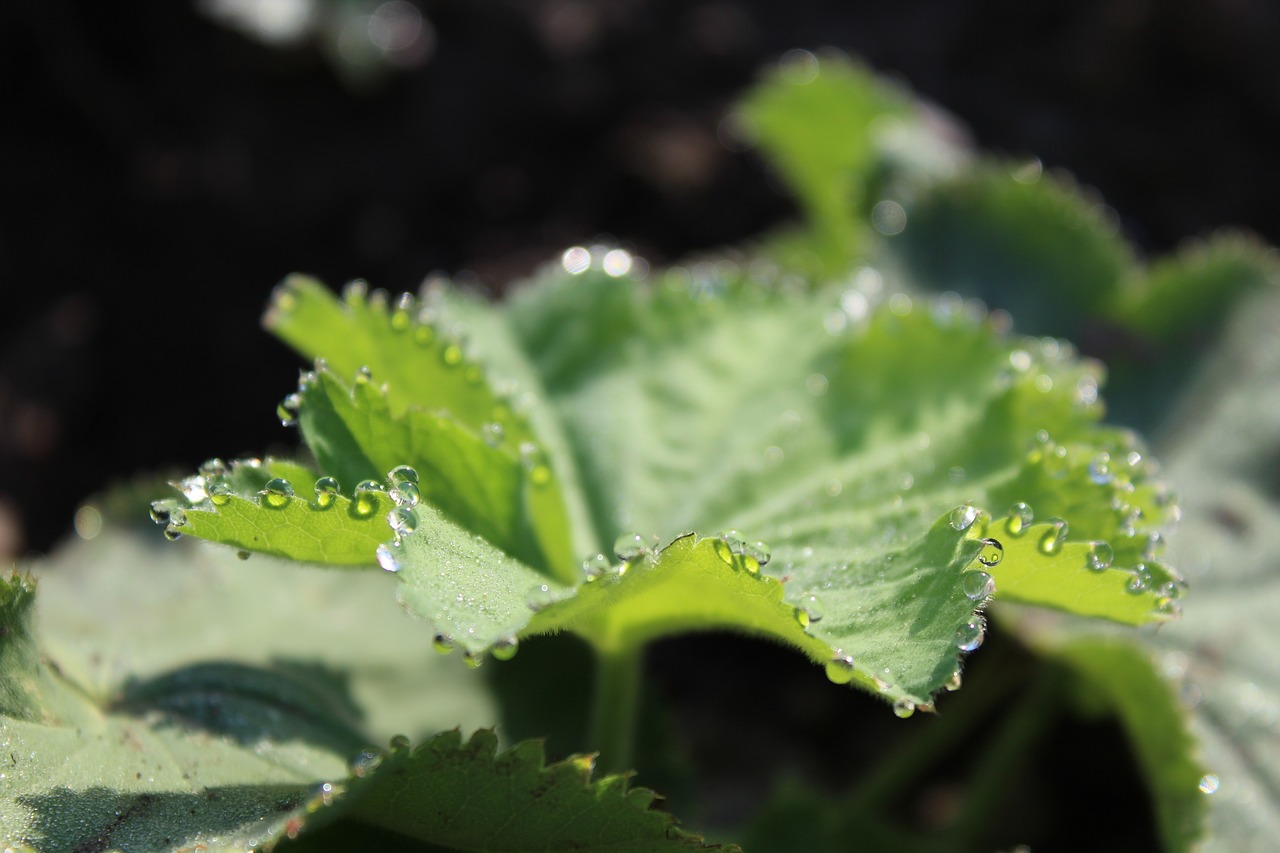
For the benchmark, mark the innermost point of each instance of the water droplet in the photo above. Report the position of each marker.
(840, 668)
(963, 517)
(403, 520)
(493, 434)
(630, 546)
(992, 552)
(1053, 538)
(1100, 469)
(160, 511)
(213, 469)
(172, 533)
(287, 411)
(576, 260)
(1154, 547)
(1099, 557)
(811, 606)
(723, 551)
(399, 743)
(326, 489)
(399, 474)
(954, 682)
(387, 558)
(424, 335)
(505, 649)
(904, 708)
(443, 644)
(276, 493)
(451, 355)
(978, 586)
(364, 763)
(758, 551)
(363, 374)
(594, 568)
(971, 634)
(473, 660)
(539, 597)
(1139, 579)
(243, 555)
(1020, 518)
(194, 489)
(405, 493)
(1209, 783)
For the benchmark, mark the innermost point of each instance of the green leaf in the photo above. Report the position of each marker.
(468, 796)
(253, 512)
(1118, 678)
(834, 131)
(1036, 246)
(719, 405)
(1221, 449)
(184, 697)
(435, 411)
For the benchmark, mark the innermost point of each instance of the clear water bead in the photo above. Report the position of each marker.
(539, 597)
(992, 552)
(594, 568)
(811, 606)
(978, 586)
(1100, 469)
(403, 520)
(194, 489)
(1139, 580)
(1052, 540)
(1099, 557)
(1020, 518)
(904, 708)
(963, 517)
(971, 634)
(405, 493)
(1209, 783)
(276, 493)
(630, 546)
(840, 668)
(287, 411)
(442, 643)
(326, 489)
(401, 473)
(387, 558)
(505, 649)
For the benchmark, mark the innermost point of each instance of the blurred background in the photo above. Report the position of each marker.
(165, 162)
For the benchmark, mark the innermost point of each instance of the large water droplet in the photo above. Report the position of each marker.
(1099, 557)
(1052, 540)
(840, 668)
(758, 551)
(287, 411)
(405, 493)
(443, 644)
(992, 552)
(399, 743)
(400, 474)
(364, 763)
(276, 493)
(387, 558)
(403, 520)
(220, 494)
(194, 489)
(213, 469)
(1139, 579)
(505, 649)
(811, 606)
(904, 708)
(1020, 518)
(326, 492)
(630, 546)
(978, 586)
(954, 682)
(365, 501)
(1209, 783)
(594, 568)
(160, 511)
(539, 597)
(473, 660)
(971, 634)
(963, 517)
(493, 433)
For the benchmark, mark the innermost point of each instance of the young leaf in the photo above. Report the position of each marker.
(468, 796)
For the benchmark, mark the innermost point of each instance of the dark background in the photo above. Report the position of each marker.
(161, 171)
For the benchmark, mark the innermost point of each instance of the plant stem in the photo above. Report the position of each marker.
(615, 707)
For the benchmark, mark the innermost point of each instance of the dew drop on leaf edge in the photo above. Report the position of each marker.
(387, 558)
(904, 708)
(1053, 538)
(978, 586)
(971, 634)
(630, 546)
(505, 649)
(963, 517)
(1099, 557)
(276, 493)
(1020, 518)
(840, 668)
(992, 552)
(326, 489)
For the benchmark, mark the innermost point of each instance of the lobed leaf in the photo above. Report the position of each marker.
(468, 796)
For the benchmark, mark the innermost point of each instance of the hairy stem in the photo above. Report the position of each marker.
(615, 707)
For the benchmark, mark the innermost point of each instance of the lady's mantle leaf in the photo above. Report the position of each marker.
(1117, 678)
(139, 735)
(468, 796)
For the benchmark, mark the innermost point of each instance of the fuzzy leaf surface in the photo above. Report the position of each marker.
(718, 404)
(469, 796)
(187, 705)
